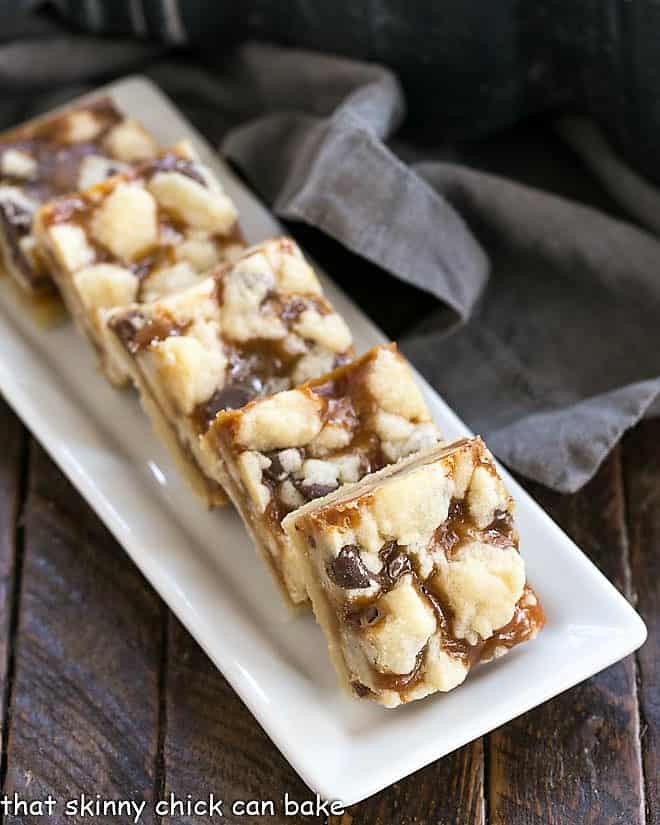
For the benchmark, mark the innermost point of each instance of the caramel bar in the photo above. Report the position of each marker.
(136, 237)
(415, 575)
(60, 153)
(276, 453)
(252, 328)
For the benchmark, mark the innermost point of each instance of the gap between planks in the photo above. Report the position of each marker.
(14, 493)
(629, 593)
(641, 473)
(160, 767)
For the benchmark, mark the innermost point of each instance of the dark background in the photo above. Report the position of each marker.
(468, 68)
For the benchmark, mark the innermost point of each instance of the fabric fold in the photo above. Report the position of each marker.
(337, 174)
(560, 356)
(541, 322)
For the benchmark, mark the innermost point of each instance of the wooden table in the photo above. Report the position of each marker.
(103, 691)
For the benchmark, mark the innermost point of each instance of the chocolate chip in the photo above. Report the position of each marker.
(276, 471)
(395, 563)
(387, 550)
(16, 214)
(348, 570)
(360, 689)
(312, 491)
(230, 397)
(126, 329)
(500, 531)
(292, 309)
(172, 163)
(445, 538)
(399, 565)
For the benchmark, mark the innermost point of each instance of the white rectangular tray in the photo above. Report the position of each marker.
(205, 568)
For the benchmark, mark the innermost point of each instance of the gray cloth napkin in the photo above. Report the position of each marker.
(537, 318)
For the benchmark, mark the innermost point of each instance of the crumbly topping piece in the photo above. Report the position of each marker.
(418, 568)
(194, 202)
(130, 142)
(103, 286)
(288, 419)
(125, 222)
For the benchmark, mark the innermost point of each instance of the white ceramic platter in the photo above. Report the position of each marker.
(203, 565)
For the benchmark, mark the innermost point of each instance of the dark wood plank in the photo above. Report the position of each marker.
(642, 476)
(14, 439)
(577, 757)
(87, 655)
(213, 743)
(448, 791)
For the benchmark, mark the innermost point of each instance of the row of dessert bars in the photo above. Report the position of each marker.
(405, 544)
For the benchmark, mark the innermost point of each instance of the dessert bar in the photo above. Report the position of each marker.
(415, 575)
(252, 328)
(65, 152)
(153, 230)
(277, 453)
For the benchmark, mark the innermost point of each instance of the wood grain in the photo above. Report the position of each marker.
(213, 743)
(14, 440)
(86, 662)
(642, 476)
(577, 757)
(111, 695)
(448, 792)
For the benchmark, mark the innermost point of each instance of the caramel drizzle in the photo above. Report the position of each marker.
(527, 618)
(346, 403)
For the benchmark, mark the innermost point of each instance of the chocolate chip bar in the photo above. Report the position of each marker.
(415, 575)
(136, 237)
(277, 453)
(252, 328)
(60, 153)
